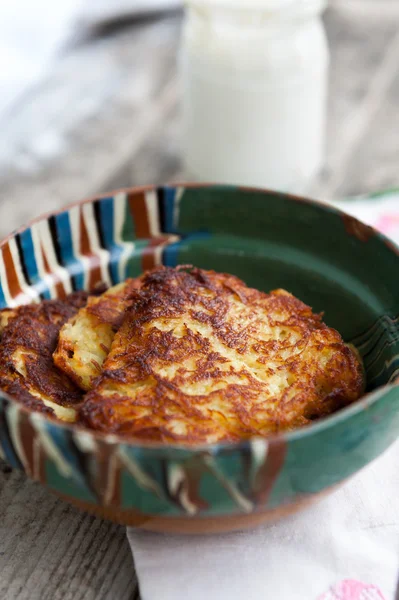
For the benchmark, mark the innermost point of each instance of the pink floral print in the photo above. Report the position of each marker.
(350, 589)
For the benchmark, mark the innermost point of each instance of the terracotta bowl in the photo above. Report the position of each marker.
(328, 259)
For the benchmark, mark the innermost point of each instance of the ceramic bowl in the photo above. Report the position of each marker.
(328, 259)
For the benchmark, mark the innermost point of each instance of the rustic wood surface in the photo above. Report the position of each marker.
(108, 117)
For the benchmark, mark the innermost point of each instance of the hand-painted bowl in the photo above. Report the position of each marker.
(328, 259)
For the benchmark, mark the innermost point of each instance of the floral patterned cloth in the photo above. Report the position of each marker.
(350, 589)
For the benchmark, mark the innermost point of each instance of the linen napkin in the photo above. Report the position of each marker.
(346, 547)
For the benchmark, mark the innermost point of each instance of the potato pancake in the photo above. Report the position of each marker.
(201, 357)
(85, 340)
(29, 336)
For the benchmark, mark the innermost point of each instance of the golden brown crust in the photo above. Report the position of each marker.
(28, 340)
(85, 340)
(201, 357)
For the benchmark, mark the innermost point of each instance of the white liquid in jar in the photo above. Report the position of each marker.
(254, 94)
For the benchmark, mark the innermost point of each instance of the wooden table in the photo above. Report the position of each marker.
(108, 117)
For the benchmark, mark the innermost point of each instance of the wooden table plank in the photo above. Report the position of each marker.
(50, 550)
(73, 139)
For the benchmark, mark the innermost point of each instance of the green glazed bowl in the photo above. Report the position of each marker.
(328, 259)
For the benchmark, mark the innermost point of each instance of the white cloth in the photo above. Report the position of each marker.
(353, 534)
(346, 547)
(34, 32)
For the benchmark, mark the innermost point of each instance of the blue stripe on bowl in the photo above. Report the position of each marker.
(3, 301)
(107, 226)
(30, 262)
(168, 201)
(65, 244)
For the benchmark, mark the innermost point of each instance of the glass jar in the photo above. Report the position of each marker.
(254, 77)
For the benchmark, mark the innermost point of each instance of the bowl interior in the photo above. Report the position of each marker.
(329, 260)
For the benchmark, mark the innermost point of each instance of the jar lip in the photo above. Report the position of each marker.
(257, 5)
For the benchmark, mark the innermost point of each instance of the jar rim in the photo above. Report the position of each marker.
(257, 5)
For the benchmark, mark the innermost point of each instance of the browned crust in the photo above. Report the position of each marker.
(110, 308)
(134, 397)
(33, 330)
